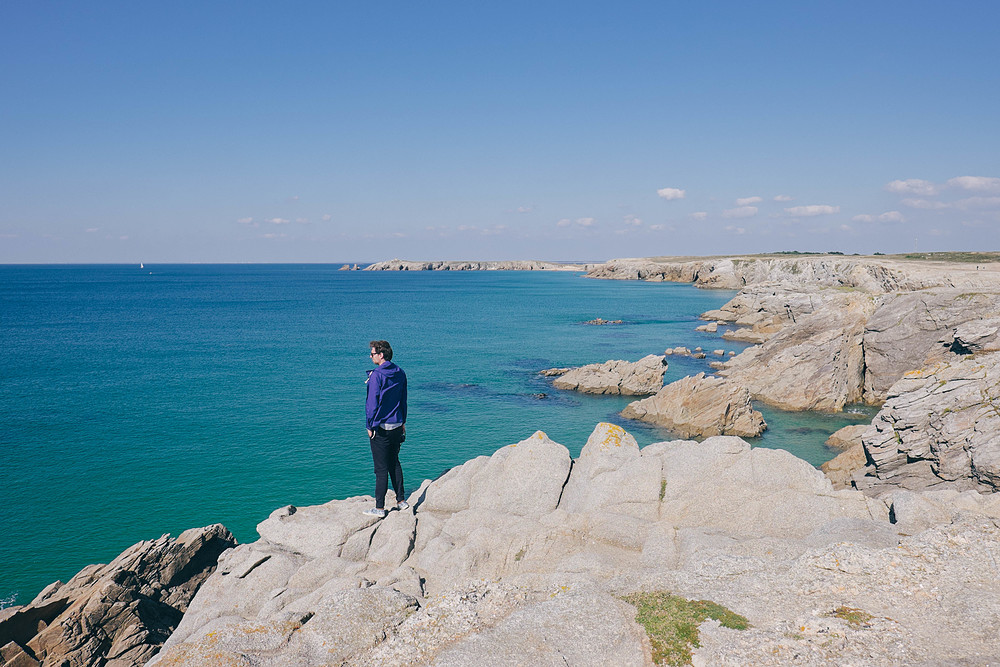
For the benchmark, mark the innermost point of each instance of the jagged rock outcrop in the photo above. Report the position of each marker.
(818, 364)
(512, 265)
(464, 578)
(626, 378)
(977, 336)
(910, 330)
(700, 406)
(117, 614)
(940, 427)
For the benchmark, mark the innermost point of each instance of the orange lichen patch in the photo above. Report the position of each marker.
(613, 436)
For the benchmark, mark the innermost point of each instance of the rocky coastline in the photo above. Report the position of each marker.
(528, 556)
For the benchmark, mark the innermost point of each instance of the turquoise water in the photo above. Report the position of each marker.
(139, 402)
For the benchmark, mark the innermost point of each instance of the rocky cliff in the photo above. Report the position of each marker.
(876, 275)
(117, 614)
(523, 557)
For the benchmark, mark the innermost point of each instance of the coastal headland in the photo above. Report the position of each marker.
(528, 556)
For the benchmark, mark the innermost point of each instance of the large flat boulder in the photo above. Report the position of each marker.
(626, 378)
(700, 405)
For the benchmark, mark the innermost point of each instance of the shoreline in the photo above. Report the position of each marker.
(789, 309)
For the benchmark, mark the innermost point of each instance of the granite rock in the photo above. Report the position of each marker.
(117, 614)
(817, 364)
(616, 377)
(700, 405)
(940, 427)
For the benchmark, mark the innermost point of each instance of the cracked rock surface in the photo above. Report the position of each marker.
(522, 558)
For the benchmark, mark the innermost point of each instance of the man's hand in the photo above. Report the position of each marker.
(371, 434)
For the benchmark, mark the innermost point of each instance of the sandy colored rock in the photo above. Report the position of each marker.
(841, 468)
(846, 437)
(700, 405)
(616, 377)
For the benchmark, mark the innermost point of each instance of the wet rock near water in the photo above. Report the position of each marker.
(618, 377)
(700, 406)
(117, 614)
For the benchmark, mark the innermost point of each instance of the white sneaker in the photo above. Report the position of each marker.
(402, 505)
(374, 511)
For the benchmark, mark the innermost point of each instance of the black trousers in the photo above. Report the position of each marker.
(385, 454)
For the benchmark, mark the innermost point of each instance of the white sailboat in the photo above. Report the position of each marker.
(141, 266)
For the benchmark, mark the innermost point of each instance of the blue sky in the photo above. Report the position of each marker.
(329, 132)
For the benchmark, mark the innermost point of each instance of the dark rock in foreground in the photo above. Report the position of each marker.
(117, 614)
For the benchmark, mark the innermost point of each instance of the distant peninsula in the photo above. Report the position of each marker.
(516, 265)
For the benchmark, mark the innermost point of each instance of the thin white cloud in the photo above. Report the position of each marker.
(925, 204)
(657, 228)
(741, 212)
(633, 221)
(913, 186)
(579, 222)
(746, 201)
(272, 235)
(91, 230)
(123, 238)
(846, 228)
(278, 221)
(976, 183)
(735, 230)
(978, 203)
(699, 215)
(524, 209)
(326, 217)
(671, 193)
(466, 228)
(245, 221)
(888, 216)
(811, 211)
(302, 220)
(782, 198)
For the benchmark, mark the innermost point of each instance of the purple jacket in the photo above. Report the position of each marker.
(386, 402)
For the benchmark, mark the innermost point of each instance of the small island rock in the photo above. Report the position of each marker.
(700, 405)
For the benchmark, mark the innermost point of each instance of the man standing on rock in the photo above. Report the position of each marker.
(385, 410)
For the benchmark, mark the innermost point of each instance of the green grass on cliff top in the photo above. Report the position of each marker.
(671, 622)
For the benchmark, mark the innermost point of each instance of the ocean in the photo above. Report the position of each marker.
(137, 402)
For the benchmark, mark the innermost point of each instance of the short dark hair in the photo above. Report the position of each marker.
(382, 347)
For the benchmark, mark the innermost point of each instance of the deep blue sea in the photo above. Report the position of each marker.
(136, 402)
